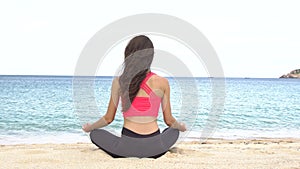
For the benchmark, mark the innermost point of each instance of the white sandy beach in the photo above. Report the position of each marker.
(266, 153)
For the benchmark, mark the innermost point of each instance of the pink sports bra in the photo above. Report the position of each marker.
(144, 106)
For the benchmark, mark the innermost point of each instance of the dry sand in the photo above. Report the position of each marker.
(266, 153)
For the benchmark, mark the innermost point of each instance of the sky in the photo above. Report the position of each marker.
(258, 38)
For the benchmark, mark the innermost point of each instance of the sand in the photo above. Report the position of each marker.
(265, 153)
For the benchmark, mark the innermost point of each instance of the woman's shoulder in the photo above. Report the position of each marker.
(115, 81)
(159, 80)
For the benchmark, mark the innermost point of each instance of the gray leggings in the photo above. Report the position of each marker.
(132, 144)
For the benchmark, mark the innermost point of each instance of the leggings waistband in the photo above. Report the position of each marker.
(130, 133)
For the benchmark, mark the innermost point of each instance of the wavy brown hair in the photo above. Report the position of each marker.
(138, 58)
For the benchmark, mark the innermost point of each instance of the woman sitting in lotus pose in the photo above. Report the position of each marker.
(141, 92)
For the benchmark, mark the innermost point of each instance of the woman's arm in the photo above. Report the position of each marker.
(166, 107)
(111, 110)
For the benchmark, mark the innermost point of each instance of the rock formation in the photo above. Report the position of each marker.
(292, 74)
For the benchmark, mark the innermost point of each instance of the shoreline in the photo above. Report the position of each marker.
(213, 153)
(180, 141)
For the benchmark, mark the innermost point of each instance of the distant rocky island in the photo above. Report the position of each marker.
(292, 74)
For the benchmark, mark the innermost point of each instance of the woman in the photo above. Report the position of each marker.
(141, 92)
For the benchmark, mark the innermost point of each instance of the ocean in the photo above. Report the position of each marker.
(46, 109)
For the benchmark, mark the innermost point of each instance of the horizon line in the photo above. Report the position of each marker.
(109, 76)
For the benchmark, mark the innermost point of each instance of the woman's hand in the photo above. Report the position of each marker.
(87, 127)
(179, 125)
(182, 127)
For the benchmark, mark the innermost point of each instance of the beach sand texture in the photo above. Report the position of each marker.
(265, 153)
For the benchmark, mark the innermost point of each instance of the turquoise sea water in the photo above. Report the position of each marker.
(41, 109)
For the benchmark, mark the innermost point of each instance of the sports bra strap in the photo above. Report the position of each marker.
(149, 74)
(144, 86)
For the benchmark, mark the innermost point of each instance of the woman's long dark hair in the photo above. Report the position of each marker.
(138, 58)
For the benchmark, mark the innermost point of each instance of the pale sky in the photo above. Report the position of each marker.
(258, 38)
